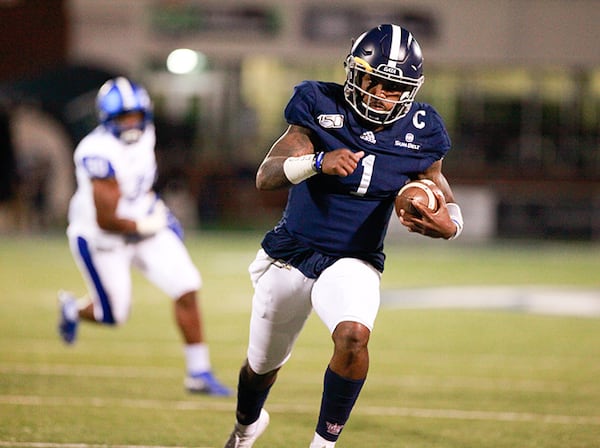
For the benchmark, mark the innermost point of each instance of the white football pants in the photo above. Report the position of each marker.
(283, 299)
(162, 259)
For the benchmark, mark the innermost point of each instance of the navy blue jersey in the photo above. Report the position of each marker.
(328, 217)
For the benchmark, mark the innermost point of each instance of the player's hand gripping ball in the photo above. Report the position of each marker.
(417, 191)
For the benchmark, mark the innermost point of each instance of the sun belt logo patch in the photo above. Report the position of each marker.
(408, 142)
(331, 121)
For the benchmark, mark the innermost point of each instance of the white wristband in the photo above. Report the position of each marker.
(153, 222)
(297, 169)
(456, 217)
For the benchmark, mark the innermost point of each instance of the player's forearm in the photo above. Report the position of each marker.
(116, 225)
(271, 176)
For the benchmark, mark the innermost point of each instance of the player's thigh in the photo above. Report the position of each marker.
(106, 272)
(281, 292)
(165, 262)
(348, 290)
(280, 307)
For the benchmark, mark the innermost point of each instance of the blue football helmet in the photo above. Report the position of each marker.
(390, 55)
(119, 96)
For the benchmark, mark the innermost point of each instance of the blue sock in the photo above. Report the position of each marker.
(339, 396)
(249, 402)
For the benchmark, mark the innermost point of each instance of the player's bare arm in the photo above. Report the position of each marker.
(296, 142)
(434, 173)
(106, 199)
(436, 224)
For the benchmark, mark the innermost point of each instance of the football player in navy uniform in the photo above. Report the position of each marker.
(116, 222)
(346, 153)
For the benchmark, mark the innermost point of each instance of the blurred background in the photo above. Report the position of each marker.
(517, 82)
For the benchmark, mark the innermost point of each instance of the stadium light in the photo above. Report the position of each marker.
(183, 60)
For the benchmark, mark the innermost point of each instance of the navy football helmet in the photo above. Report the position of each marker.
(119, 96)
(390, 55)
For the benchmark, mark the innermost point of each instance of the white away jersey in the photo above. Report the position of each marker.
(100, 155)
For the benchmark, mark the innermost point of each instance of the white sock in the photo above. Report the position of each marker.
(320, 442)
(72, 311)
(197, 358)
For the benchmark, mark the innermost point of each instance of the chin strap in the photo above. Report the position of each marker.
(130, 136)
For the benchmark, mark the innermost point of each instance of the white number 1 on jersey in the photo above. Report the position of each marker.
(365, 180)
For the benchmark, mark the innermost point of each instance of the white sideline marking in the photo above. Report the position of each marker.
(552, 300)
(452, 414)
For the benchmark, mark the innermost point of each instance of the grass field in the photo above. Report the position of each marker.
(439, 378)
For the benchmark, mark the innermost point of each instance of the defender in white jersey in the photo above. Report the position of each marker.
(117, 221)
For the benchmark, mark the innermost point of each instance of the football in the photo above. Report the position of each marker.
(417, 191)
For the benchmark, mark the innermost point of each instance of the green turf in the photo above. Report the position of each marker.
(439, 378)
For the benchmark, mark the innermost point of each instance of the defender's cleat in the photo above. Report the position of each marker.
(244, 436)
(206, 383)
(68, 318)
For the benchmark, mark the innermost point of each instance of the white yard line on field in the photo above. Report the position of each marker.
(91, 370)
(552, 300)
(77, 445)
(453, 414)
(406, 381)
